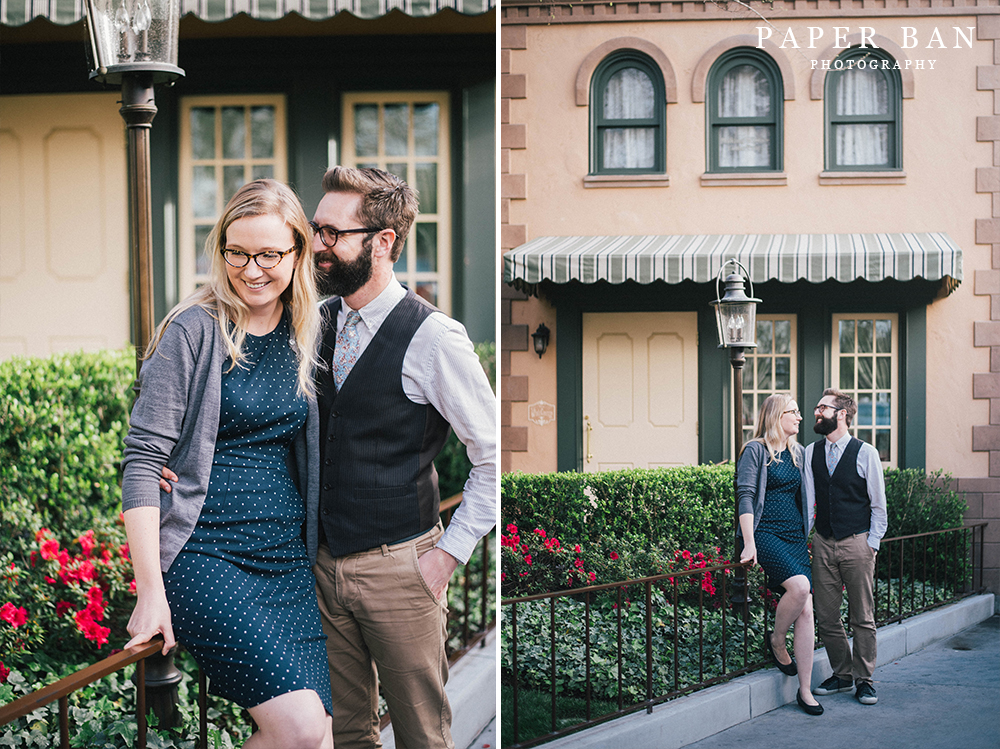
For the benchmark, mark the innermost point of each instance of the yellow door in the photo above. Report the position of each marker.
(63, 224)
(640, 390)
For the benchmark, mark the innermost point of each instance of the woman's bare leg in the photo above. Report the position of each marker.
(295, 720)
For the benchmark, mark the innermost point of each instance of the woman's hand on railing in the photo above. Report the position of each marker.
(151, 616)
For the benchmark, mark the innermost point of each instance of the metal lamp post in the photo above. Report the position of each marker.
(736, 322)
(133, 44)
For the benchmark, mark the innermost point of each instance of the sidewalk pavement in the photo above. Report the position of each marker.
(472, 692)
(944, 696)
(930, 690)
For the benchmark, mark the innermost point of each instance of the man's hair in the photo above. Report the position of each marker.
(842, 400)
(387, 202)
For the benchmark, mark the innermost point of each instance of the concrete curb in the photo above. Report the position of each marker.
(472, 692)
(705, 713)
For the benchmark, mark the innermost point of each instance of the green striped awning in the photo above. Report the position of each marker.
(674, 258)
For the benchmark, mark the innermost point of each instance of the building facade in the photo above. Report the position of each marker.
(845, 153)
(279, 89)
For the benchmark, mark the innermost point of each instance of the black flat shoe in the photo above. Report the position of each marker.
(788, 669)
(808, 709)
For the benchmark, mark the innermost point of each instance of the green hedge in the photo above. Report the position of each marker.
(632, 523)
(682, 507)
(62, 422)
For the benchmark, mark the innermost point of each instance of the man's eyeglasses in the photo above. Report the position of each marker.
(266, 260)
(329, 236)
(823, 406)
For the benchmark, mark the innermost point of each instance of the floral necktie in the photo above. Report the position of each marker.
(345, 355)
(831, 457)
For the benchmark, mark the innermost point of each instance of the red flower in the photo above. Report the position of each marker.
(686, 555)
(62, 607)
(592, 576)
(524, 548)
(511, 529)
(15, 616)
(50, 549)
(91, 629)
(87, 542)
(131, 587)
(613, 555)
(527, 559)
(540, 532)
(577, 548)
(50, 580)
(4, 672)
(578, 563)
(503, 576)
(42, 533)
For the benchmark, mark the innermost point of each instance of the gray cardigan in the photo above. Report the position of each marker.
(751, 485)
(175, 422)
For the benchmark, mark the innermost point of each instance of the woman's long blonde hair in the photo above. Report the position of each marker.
(262, 197)
(768, 429)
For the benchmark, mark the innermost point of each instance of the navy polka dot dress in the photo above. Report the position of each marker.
(242, 595)
(780, 536)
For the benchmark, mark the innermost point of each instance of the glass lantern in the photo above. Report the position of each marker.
(735, 313)
(137, 36)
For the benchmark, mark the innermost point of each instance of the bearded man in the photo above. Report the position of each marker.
(843, 476)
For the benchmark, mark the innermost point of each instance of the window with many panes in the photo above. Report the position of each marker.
(628, 116)
(226, 141)
(744, 103)
(863, 110)
(770, 368)
(865, 365)
(407, 134)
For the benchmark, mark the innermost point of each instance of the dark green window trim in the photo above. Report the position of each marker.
(892, 118)
(774, 121)
(598, 123)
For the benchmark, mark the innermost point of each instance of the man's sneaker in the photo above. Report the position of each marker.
(866, 694)
(833, 685)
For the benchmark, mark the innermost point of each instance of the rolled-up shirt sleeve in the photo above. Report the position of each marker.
(870, 469)
(441, 368)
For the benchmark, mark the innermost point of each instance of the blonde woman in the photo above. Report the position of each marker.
(774, 524)
(227, 404)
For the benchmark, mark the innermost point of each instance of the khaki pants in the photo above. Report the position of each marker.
(848, 563)
(383, 625)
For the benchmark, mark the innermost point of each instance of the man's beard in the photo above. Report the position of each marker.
(344, 278)
(825, 425)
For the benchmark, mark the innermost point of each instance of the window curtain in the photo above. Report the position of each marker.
(861, 92)
(744, 91)
(629, 95)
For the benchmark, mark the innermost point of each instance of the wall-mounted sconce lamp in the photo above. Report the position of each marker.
(541, 339)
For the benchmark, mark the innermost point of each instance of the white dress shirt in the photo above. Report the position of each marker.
(441, 368)
(869, 468)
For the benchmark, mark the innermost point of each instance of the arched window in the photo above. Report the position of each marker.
(628, 116)
(863, 102)
(744, 113)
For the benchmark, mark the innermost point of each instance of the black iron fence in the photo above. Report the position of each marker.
(472, 617)
(575, 658)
